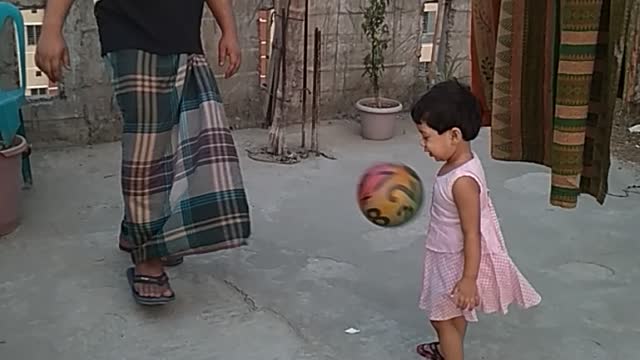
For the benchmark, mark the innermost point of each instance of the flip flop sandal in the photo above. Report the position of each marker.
(169, 261)
(430, 351)
(161, 281)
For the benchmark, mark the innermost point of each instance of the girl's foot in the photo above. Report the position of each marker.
(150, 284)
(430, 351)
(168, 261)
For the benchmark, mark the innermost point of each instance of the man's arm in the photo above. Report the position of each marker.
(228, 48)
(51, 52)
(223, 13)
(55, 14)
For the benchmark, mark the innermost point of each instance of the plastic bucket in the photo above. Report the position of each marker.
(10, 189)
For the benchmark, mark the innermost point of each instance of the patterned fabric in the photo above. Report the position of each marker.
(181, 180)
(547, 77)
(499, 282)
(484, 24)
(631, 71)
(579, 32)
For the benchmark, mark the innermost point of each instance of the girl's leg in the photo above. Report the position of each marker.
(451, 335)
(461, 325)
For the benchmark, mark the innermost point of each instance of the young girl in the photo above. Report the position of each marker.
(466, 266)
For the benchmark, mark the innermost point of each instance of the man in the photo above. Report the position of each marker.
(181, 181)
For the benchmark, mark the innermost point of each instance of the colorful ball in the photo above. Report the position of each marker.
(390, 194)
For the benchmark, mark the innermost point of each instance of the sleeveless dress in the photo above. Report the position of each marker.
(499, 283)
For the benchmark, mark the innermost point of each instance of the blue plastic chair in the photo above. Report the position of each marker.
(11, 122)
(12, 100)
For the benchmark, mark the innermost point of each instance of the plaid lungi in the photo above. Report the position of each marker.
(181, 180)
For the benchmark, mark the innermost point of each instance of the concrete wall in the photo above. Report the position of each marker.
(86, 113)
(457, 37)
(345, 47)
(241, 93)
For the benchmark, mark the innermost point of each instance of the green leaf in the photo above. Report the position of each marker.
(377, 33)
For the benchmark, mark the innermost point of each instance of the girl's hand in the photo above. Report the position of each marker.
(465, 294)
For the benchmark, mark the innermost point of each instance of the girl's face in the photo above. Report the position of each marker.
(439, 146)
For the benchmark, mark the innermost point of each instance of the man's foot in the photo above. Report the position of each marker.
(168, 261)
(150, 284)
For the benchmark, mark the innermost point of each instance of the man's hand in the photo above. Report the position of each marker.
(465, 294)
(229, 53)
(52, 54)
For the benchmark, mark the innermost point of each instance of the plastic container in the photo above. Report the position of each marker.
(10, 189)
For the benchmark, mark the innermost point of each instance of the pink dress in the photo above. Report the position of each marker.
(500, 283)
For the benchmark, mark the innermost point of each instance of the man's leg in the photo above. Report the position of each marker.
(144, 85)
(168, 261)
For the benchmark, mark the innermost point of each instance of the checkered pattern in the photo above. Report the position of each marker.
(499, 285)
(181, 179)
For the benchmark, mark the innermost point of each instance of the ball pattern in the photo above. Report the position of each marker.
(390, 194)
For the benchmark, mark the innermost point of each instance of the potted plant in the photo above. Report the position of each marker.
(377, 113)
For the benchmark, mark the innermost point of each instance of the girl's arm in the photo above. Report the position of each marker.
(466, 195)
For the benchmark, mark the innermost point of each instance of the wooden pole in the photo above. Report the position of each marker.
(316, 92)
(283, 86)
(273, 72)
(304, 74)
(276, 132)
(283, 60)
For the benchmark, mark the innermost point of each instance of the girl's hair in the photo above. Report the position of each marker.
(449, 105)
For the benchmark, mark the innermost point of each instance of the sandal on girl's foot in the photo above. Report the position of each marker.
(430, 351)
(168, 261)
(161, 281)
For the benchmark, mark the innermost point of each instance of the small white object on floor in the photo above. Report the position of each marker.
(352, 331)
(635, 129)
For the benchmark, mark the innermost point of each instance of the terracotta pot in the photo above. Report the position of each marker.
(378, 123)
(10, 190)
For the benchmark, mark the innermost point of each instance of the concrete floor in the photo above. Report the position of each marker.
(315, 267)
